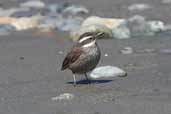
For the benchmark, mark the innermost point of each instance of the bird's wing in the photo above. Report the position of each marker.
(71, 57)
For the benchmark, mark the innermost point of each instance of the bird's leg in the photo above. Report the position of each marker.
(75, 83)
(89, 81)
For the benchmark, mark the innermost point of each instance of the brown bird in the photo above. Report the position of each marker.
(84, 55)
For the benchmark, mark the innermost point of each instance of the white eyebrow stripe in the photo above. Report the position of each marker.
(89, 44)
(84, 38)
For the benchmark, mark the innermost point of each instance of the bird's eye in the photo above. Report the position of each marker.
(91, 38)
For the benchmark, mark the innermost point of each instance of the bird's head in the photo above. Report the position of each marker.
(89, 38)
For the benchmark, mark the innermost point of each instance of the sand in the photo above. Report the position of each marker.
(30, 73)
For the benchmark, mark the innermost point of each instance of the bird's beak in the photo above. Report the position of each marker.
(98, 35)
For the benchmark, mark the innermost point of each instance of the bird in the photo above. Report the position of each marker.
(84, 55)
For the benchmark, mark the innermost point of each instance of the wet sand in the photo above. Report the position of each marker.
(30, 73)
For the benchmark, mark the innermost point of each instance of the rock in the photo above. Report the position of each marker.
(58, 8)
(91, 28)
(7, 12)
(148, 50)
(33, 4)
(51, 21)
(139, 7)
(138, 26)
(107, 72)
(5, 29)
(70, 24)
(121, 32)
(165, 51)
(167, 27)
(75, 10)
(64, 96)
(127, 28)
(22, 23)
(6, 20)
(25, 23)
(60, 23)
(108, 22)
(55, 8)
(127, 50)
(25, 13)
(156, 26)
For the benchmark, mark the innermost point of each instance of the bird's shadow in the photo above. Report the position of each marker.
(84, 81)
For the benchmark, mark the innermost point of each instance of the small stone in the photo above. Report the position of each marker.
(60, 52)
(33, 4)
(5, 29)
(127, 50)
(24, 13)
(75, 10)
(58, 8)
(146, 51)
(21, 58)
(54, 8)
(139, 7)
(64, 96)
(7, 12)
(106, 55)
(156, 26)
(165, 51)
(107, 72)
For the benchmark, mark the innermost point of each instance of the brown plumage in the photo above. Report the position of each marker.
(84, 56)
(71, 57)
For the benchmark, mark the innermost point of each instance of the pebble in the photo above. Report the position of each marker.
(139, 7)
(75, 10)
(127, 50)
(106, 55)
(64, 96)
(7, 12)
(33, 4)
(165, 51)
(21, 58)
(25, 13)
(5, 29)
(107, 72)
(60, 52)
